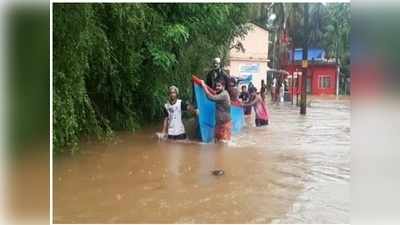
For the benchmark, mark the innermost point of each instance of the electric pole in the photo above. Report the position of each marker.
(303, 100)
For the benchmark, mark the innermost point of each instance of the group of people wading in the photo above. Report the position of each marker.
(225, 94)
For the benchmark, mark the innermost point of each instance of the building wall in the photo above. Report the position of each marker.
(323, 71)
(315, 73)
(255, 44)
(235, 66)
(255, 56)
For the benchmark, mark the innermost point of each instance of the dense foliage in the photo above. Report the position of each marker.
(27, 80)
(112, 63)
(337, 39)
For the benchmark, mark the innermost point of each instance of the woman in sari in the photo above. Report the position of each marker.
(260, 108)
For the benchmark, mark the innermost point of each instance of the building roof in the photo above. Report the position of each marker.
(316, 54)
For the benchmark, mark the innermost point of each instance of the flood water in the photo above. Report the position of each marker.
(296, 170)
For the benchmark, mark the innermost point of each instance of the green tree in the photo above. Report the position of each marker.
(337, 38)
(112, 63)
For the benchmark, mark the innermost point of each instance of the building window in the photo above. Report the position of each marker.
(324, 81)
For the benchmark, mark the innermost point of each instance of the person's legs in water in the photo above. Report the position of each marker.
(257, 121)
(261, 122)
(247, 115)
(177, 137)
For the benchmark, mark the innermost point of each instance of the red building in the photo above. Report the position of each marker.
(322, 73)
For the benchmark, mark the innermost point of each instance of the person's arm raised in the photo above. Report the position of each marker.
(250, 103)
(212, 96)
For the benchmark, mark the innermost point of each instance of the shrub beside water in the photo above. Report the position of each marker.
(112, 63)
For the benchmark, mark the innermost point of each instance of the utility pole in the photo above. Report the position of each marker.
(337, 65)
(292, 84)
(303, 101)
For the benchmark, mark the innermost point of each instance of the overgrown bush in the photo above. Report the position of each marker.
(112, 63)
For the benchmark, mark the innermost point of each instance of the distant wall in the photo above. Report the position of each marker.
(315, 73)
(253, 61)
(257, 75)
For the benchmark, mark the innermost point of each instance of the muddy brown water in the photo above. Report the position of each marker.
(296, 170)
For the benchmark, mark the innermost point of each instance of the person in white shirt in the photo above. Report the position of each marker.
(173, 126)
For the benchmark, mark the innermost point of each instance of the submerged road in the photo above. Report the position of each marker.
(296, 170)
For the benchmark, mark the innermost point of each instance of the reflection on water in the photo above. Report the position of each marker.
(296, 170)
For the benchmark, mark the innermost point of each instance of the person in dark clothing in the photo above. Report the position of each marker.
(217, 73)
(263, 90)
(233, 91)
(251, 87)
(245, 97)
